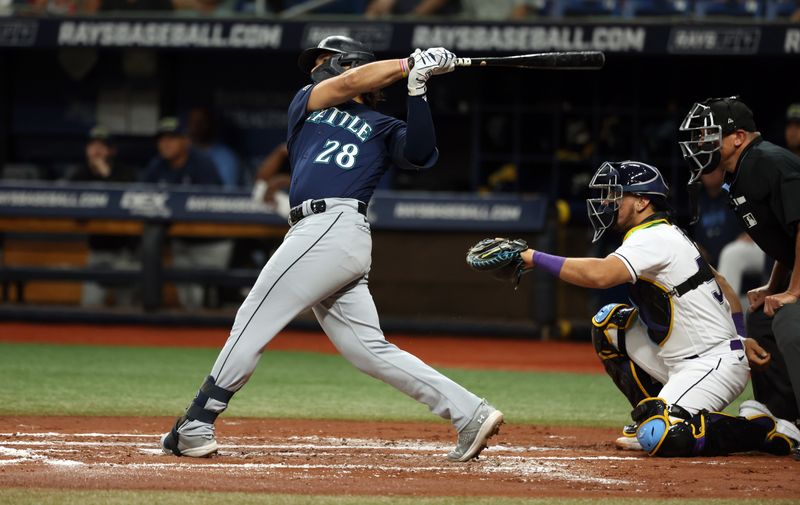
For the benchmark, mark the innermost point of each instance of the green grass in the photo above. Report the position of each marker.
(103, 380)
(63, 497)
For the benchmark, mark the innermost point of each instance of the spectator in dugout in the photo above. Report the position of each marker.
(202, 133)
(180, 163)
(106, 251)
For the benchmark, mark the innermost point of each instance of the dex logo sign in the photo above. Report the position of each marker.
(146, 203)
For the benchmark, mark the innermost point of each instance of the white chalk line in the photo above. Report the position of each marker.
(494, 460)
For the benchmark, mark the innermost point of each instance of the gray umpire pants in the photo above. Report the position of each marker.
(778, 386)
(786, 327)
(323, 264)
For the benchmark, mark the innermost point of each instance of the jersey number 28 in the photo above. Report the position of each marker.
(345, 157)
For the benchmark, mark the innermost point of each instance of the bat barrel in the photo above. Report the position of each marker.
(566, 60)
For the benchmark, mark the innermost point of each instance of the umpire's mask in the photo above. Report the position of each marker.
(703, 128)
(704, 135)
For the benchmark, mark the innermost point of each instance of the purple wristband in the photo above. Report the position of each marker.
(738, 321)
(549, 263)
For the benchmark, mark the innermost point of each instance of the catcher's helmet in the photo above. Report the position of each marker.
(346, 51)
(705, 125)
(614, 179)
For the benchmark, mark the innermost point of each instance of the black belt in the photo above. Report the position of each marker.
(317, 207)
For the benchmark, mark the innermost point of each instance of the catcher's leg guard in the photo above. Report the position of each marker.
(670, 431)
(193, 433)
(608, 336)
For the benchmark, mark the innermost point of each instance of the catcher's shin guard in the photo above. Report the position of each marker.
(670, 431)
(608, 336)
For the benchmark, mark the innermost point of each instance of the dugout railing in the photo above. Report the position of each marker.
(431, 291)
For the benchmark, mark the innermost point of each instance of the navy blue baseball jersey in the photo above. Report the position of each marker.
(342, 151)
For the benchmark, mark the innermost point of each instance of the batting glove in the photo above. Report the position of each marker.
(426, 63)
(446, 60)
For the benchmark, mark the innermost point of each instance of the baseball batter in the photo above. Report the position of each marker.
(679, 333)
(339, 147)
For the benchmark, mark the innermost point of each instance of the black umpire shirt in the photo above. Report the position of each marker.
(765, 196)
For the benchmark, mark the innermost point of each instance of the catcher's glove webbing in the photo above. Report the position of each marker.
(500, 256)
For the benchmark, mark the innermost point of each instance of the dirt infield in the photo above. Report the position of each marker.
(324, 457)
(363, 458)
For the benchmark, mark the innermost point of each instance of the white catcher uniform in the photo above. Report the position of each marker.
(687, 342)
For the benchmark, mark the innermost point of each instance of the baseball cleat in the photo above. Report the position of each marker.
(472, 439)
(628, 441)
(627, 444)
(752, 408)
(190, 438)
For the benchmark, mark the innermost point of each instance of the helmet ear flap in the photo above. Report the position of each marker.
(335, 65)
(327, 69)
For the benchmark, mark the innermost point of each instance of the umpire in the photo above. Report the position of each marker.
(763, 181)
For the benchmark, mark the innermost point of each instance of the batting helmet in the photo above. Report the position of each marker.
(614, 179)
(346, 51)
(705, 125)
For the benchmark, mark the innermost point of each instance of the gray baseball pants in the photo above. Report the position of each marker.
(323, 264)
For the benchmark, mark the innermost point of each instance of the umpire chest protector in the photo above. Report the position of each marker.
(765, 196)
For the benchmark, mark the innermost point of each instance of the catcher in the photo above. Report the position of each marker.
(676, 353)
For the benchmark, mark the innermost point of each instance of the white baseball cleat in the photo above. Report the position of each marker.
(628, 441)
(628, 444)
(752, 408)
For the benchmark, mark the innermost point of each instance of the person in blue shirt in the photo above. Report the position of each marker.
(200, 126)
(178, 162)
(339, 147)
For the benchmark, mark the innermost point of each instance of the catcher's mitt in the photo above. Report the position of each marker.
(500, 256)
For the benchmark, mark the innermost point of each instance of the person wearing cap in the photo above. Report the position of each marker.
(106, 251)
(101, 164)
(792, 131)
(763, 182)
(180, 163)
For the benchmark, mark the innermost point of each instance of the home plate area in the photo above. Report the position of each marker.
(340, 457)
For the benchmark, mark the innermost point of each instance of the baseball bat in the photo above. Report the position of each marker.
(566, 60)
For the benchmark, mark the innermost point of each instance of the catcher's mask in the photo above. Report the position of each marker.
(703, 128)
(347, 53)
(615, 179)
